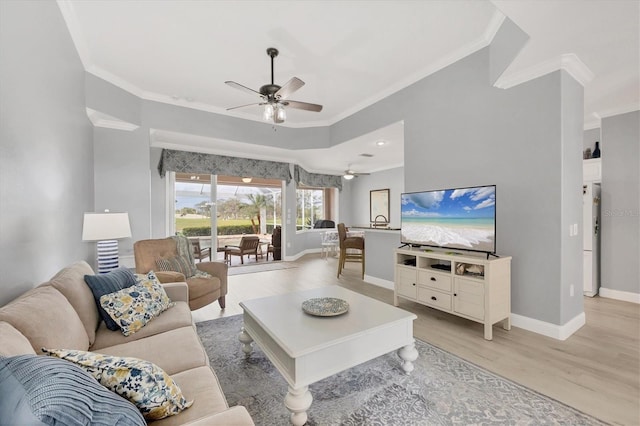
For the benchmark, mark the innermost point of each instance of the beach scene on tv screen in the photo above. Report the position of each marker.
(456, 218)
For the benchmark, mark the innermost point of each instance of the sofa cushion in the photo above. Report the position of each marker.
(109, 283)
(38, 390)
(143, 383)
(13, 342)
(200, 384)
(178, 316)
(45, 317)
(173, 351)
(70, 282)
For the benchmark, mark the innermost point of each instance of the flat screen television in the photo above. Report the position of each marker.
(458, 218)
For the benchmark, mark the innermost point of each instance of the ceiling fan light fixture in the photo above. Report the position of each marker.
(268, 112)
(348, 176)
(280, 114)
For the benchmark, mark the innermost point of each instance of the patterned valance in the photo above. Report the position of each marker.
(316, 180)
(196, 162)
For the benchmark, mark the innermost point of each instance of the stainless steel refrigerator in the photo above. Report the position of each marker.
(591, 244)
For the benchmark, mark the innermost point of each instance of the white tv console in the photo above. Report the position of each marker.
(462, 284)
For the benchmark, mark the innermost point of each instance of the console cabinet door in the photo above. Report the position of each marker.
(468, 298)
(406, 282)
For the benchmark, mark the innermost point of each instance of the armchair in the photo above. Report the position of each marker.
(248, 245)
(202, 291)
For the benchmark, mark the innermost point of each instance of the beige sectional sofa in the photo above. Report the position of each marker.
(62, 314)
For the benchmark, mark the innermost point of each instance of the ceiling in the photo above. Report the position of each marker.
(350, 54)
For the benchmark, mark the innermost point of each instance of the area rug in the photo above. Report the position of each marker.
(442, 390)
(259, 267)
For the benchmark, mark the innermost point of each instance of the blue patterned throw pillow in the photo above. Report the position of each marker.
(108, 283)
(133, 307)
(38, 390)
(143, 383)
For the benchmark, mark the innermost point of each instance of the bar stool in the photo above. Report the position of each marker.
(354, 244)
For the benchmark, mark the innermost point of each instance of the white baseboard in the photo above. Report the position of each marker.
(379, 282)
(302, 253)
(559, 332)
(625, 296)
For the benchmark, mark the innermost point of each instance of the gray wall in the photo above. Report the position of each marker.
(122, 179)
(46, 151)
(361, 186)
(461, 131)
(620, 210)
(571, 279)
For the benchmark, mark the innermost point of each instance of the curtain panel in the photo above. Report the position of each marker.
(316, 180)
(196, 162)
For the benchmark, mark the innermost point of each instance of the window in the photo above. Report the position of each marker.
(193, 204)
(313, 204)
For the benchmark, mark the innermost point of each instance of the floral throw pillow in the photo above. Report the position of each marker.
(143, 383)
(133, 307)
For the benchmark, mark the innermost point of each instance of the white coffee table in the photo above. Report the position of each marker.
(306, 348)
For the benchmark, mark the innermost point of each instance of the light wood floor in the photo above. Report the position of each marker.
(596, 370)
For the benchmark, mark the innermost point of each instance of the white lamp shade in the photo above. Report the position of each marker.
(105, 226)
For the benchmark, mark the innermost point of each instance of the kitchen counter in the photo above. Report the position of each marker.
(374, 228)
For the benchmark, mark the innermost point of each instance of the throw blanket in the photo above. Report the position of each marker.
(184, 250)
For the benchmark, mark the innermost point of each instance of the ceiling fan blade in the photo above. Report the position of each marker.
(243, 88)
(352, 173)
(304, 105)
(290, 86)
(242, 106)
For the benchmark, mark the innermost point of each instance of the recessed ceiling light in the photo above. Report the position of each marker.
(380, 143)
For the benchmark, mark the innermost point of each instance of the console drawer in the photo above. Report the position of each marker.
(435, 280)
(434, 298)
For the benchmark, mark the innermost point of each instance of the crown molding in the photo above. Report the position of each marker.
(99, 119)
(592, 124)
(568, 62)
(455, 56)
(70, 17)
(596, 122)
(572, 64)
(619, 110)
(73, 25)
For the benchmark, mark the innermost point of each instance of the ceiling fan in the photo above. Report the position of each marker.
(350, 174)
(275, 97)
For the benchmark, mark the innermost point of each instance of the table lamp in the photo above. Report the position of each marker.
(106, 228)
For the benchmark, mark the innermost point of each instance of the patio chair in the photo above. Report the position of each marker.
(200, 252)
(248, 245)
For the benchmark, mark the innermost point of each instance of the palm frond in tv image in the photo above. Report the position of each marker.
(461, 218)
